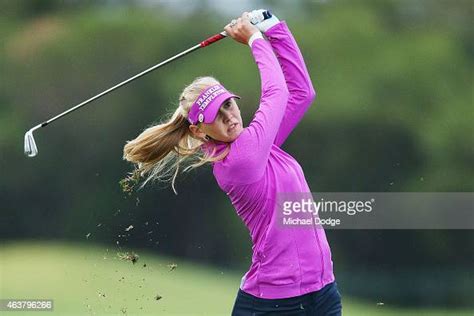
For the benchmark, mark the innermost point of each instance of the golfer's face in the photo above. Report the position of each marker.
(228, 123)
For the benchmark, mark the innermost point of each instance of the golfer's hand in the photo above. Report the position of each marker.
(242, 29)
(257, 18)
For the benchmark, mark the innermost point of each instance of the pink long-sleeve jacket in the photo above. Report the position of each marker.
(295, 260)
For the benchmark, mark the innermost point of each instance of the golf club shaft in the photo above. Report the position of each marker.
(207, 42)
(31, 149)
(204, 43)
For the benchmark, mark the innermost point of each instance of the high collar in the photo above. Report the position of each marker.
(210, 145)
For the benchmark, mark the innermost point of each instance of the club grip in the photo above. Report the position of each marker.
(212, 39)
(266, 15)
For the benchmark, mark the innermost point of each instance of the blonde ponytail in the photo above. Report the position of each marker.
(160, 151)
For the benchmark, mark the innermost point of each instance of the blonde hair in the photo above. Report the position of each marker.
(160, 151)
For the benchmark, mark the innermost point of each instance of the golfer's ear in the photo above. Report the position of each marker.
(196, 131)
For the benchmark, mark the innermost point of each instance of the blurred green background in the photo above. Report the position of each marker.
(394, 113)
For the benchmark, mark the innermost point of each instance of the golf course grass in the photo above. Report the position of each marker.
(86, 279)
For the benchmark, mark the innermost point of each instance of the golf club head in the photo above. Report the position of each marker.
(30, 146)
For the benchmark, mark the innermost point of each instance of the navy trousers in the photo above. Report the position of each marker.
(324, 302)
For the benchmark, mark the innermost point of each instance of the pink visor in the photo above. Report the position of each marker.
(206, 106)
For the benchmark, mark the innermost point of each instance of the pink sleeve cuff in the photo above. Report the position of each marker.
(255, 36)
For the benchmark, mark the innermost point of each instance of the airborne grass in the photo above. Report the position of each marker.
(89, 280)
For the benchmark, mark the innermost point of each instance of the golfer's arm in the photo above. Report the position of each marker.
(254, 144)
(301, 90)
(274, 95)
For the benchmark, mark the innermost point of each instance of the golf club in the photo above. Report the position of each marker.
(31, 150)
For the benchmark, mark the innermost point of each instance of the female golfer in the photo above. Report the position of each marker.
(291, 271)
